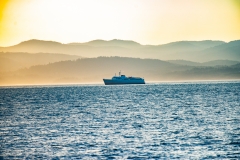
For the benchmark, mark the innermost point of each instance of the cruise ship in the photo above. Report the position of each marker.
(122, 79)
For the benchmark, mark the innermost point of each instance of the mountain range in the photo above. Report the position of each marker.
(199, 51)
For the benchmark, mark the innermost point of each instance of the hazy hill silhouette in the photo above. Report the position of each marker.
(95, 69)
(220, 63)
(223, 51)
(184, 62)
(209, 63)
(114, 42)
(191, 45)
(198, 51)
(15, 61)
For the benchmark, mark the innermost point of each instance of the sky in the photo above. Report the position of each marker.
(143, 21)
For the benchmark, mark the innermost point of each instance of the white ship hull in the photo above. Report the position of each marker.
(120, 82)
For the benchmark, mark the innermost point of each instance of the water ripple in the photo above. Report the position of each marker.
(156, 121)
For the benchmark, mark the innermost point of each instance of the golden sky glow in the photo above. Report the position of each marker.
(144, 21)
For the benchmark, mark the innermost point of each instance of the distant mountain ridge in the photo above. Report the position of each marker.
(209, 63)
(114, 42)
(12, 61)
(198, 51)
(189, 44)
(18, 60)
(224, 50)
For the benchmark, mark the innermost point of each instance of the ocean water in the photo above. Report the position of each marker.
(155, 121)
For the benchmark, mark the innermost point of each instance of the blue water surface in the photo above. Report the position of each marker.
(199, 120)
